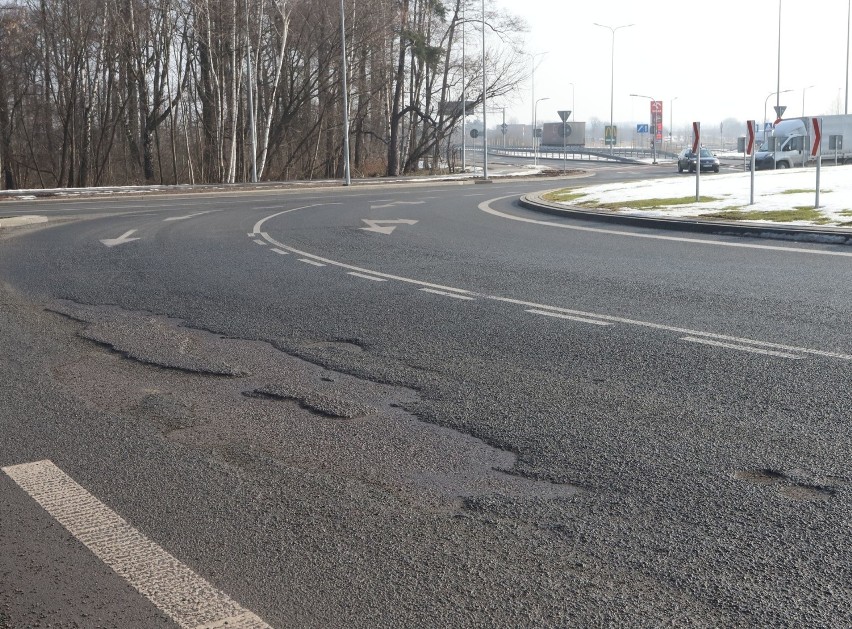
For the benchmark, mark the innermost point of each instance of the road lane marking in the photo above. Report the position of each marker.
(538, 306)
(123, 239)
(309, 261)
(367, 277)
(386, 226)
(741, 348)
(446, 294)
(485, 206)
(283, 253)
(259, 241)
(571, 317)
(183, 218)
(190, 600)
(257, 225)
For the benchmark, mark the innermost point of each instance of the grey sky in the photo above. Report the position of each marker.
(718, 58)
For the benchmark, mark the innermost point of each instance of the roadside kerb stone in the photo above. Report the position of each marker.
(15, 221)
(778, 231)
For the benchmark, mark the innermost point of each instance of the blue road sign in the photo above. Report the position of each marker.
(641, 128)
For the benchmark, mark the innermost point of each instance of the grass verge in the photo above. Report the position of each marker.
(801, 213)
(564, 195)
(801, 191)
(647, 204)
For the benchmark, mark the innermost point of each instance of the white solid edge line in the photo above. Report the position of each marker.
(741, 348)
(367, 277)
(190, 600)
(571, 317)
(446, 294)
(485, 206)
(309, 261)
(532, 304)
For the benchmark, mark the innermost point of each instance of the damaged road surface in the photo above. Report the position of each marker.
(262, 415)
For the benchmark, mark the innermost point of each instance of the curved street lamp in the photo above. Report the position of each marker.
(535, 125)
(612, 74)
(654, 130)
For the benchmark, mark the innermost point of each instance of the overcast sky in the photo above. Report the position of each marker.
(719, 58)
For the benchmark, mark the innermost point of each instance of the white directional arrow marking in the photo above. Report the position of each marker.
(393, 203)
(376, 226)
(112, 242)
(183, 218)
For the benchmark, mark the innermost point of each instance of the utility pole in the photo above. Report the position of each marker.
(251, 100)
(346, 173)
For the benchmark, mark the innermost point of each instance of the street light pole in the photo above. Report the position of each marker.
(346, 172)
(765, 103)
(805, 89)
(671, 123)
(612, 78)
(532, 56)
(572, 100)
(484, 104)
(848, 26)
(252, 125)
(778, 78)
(464, 98)
(654, 130)
(535, 124)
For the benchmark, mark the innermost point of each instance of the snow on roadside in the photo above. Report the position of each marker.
(732, 192)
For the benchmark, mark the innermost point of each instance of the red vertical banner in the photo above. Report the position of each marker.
(657, 119)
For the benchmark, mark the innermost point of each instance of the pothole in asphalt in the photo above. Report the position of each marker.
(345, 345)
(271, 411)
(787, 485)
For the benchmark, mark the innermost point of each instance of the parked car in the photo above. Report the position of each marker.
(686, 161)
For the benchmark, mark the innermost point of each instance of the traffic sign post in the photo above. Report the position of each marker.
(696, 150)
(566, 130)
(750, 151)
(816, 151)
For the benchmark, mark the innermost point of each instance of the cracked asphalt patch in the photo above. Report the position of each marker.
(162, 373)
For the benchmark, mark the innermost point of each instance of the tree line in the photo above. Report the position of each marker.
(118, 92)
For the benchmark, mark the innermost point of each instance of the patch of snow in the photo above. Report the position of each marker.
(732, 192)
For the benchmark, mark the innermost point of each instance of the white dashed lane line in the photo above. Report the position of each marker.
(259, 241)
(742, 348)
(446, 294)
(280, 251)
(559, 315)
(367, 277)
(190, 600)
(710, 338)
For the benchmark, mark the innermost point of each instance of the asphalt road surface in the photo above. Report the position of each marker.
(417, 405)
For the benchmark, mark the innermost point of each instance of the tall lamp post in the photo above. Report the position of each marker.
(765, 103)
(671, 123)
(532, 56)
(805, 89)
(848, 26)
(346, 172)
(778, 78)
(535, 125)
(612, 77)
(654, 130)
(484, 104)
(572, 98)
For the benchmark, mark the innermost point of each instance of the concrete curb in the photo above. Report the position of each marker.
(66, 194)
(826, 235)
(16, 221)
